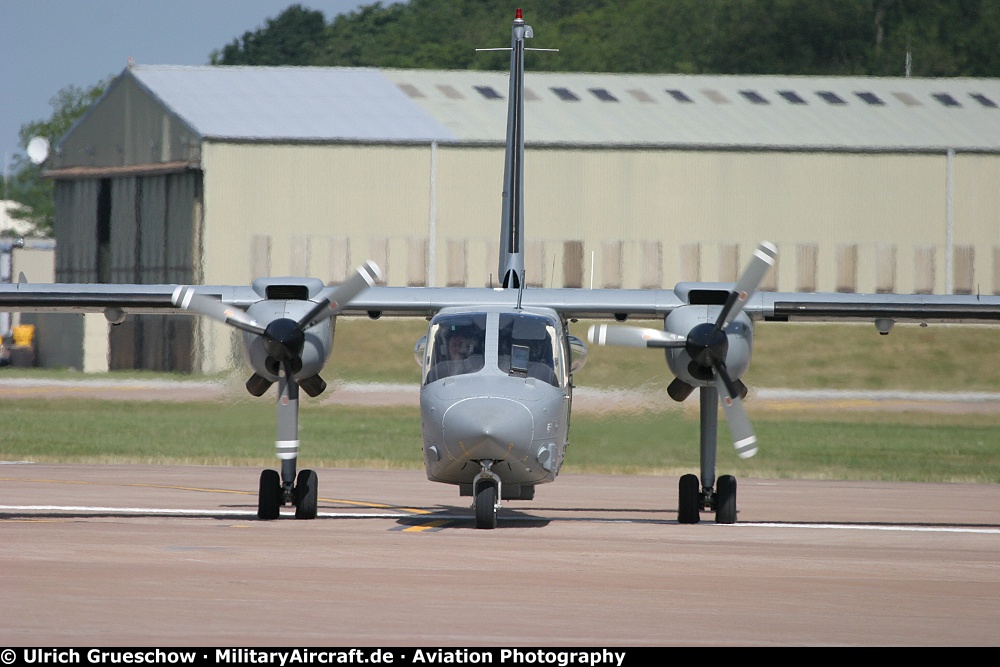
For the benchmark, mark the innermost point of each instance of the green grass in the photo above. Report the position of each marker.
(891, 447)
(917, 446)
(829, 356)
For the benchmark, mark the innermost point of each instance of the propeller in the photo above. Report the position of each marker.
(283, 338)
(707, 344)
(603, 334)
(186, 298)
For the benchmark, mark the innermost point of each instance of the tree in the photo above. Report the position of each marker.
(294, 37)
(27, 185)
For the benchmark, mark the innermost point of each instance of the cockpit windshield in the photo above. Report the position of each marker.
(458, 344)
(526, 347)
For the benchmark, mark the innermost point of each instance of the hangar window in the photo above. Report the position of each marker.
(488, 92)
(679, 95)
(946, 99)
(754, 96)
(565, 94)
(603, 95)
(982, 99)
(449, 91)
(411, 90)
(791, 96)
(641, 95)
(871, 98)
(907, 99)
(830, 97)
(715, 96)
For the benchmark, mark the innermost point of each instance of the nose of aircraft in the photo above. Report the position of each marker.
(487, 428)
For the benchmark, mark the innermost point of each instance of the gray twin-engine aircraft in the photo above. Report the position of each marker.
(497, 364)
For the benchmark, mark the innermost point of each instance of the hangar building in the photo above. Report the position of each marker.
(218, 175)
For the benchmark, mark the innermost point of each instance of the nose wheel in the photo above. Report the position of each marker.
(486, 505)
(486, 487)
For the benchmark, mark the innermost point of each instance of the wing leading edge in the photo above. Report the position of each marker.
(571, 303)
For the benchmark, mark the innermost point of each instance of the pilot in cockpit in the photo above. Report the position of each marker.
(462, 353)
(459, 346)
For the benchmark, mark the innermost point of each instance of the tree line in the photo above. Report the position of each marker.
(806, 37)
(922, 38)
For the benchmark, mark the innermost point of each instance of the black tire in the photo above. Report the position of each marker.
(486, 505)
(269, 499)
(306, 495)
(689, 499)
(725, 500)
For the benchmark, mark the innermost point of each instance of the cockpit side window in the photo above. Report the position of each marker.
(457, 345)
(526, 347)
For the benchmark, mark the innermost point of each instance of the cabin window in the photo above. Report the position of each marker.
(457, 344)
(527, 347)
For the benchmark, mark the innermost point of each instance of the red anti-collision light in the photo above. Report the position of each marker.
(518, 14)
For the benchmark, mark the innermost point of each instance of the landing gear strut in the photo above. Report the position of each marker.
(287, 489)
(693, 497)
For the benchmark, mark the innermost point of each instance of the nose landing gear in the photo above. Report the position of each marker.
(486, 496)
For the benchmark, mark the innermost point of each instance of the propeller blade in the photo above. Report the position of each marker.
(744, 439)
(334, 298)
(763, 259)
(186, 298)
(606, 334)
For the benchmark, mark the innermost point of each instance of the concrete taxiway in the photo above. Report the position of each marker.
(173, 555)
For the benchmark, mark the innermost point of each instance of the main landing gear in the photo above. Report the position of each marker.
(287, 488)
(272, 495)
(708, 495)
(692, 500)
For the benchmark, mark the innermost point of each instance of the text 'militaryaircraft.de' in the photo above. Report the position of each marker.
(497, 363)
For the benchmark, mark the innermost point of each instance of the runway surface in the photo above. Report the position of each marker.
(173, 555)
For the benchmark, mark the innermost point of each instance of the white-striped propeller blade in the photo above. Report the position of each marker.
(763, 259)
(744, 439)
(606, 334)
(187, 298)
(334, 298)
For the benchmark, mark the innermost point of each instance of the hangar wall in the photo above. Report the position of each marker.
(611, 217)
(133, 228)
(861, 222)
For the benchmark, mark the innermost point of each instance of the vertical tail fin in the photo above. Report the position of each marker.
(511, 265)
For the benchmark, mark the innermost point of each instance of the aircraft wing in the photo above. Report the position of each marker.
(95, 298)
(656, 304)
(794, 306)
(572, 303)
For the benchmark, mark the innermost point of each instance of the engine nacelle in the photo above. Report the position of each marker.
(739, 334)
(315, 351)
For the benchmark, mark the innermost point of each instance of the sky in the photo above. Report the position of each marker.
(47, 45)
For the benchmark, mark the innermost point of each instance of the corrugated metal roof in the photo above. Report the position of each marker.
(668, 110)
(767, 112)
(300, 103)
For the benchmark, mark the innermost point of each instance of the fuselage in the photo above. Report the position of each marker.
(496, 387)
